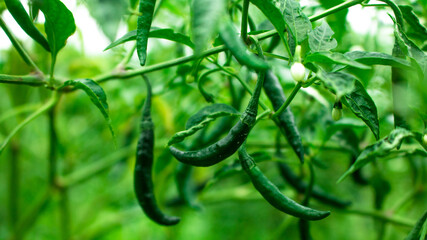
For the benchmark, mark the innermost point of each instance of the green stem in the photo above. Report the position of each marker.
(244, 26)
(243, 83)
(288, 100)
(65, 215)
(53, 138)
(396, 10)
(33, 213)
(18, 46)
(31, 80)
(14, 186)
(159, 66)
(49, 104)
(211, 51)
(380, 216)
(97, 167)
(263, 114)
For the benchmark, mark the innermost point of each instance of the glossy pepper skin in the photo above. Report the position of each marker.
(143, 182)
(317, 192)
(228, 145)
(285, 121)
(273, 195)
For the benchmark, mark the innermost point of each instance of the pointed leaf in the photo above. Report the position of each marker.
(376, 58)
(96, 95)
(59, 24)
(378, 149)
(338, 82)
(201, 119)
(298, 22)
(238, 48)
(418, 57)
(273, 14)
(362, 105)
(417, 233)
(214, 110)
(320, 39)
(417, 28)
(205, 21)
(21, 17)
(333, 58)
(108, 14)
(163, 33)
(146, 8)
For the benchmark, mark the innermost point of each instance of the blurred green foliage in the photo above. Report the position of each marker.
(103, 206)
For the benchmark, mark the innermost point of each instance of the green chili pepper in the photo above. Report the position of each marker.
(415, 232)
(238, 48)
(21, 17)
(146, 8)
(285, 121)
(143, 182)
(273, 195)
(317, 192)
(228, 145)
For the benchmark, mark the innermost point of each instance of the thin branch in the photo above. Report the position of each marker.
(218, 49)
(34, 80)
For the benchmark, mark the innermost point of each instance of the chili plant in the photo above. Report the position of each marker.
(220, 85)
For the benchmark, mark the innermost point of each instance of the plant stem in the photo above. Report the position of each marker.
(33, 213)
(379, 216)
(14, 186)
(31, 80)
(97, 167)
(18, 46)
(244, 26)
(49, 104)
(288, 100)
(53, 138)
(214, 50)
(243, 83)
(65, 214)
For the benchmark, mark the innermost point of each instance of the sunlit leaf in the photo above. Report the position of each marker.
(333, 58)
(21, 16)
(163, 33)
(320, 39)
(206, 15)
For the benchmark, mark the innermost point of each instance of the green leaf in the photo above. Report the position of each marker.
(418, 232)
(59, 24)
(320, 39)
(298, 22)
(273, 14)
(163, 33)
(333, 58)
(418, 57)
(96, 95)
(380, 148)
(214, 110)
(201, 119)
(417, 28)
(146, 8)
(108, 14)
(206, 15)
(362, 105)
(376, 58)
(238, 48)
(338, 82)
(21, 17)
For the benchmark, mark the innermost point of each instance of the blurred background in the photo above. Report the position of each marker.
(95, 198)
